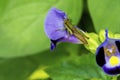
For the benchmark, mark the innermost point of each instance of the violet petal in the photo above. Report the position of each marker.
(54, 24)
(108, 49)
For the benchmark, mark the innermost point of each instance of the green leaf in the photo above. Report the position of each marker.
(15, 69)
(22, 68)
(105, 14)
(83, 68)
(22, 24)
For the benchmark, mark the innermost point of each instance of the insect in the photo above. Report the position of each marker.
(75, 31)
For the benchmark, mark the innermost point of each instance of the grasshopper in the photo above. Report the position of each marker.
(75, 31)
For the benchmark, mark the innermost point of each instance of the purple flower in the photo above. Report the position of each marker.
(108, 55)
(55, 28)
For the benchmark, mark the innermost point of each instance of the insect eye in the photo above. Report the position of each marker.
(118, 45)
(100, 57)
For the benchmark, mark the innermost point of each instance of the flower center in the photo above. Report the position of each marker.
(114, 60)
(110, 50)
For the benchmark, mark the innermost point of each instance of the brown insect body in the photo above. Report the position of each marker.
(75, 31)
(79, 36)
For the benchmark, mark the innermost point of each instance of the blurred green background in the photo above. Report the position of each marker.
(24, 47)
